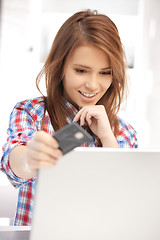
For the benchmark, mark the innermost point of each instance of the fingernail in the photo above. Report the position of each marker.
(55, 145)
(58, 156)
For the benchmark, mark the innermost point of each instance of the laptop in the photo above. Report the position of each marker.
(97, 194)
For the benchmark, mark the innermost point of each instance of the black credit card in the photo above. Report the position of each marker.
(72, 136)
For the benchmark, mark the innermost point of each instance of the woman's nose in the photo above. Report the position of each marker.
(91, 83)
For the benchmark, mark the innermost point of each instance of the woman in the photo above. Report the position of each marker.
(85, 82)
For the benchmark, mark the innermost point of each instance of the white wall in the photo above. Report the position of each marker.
(122, 7)
(147, 73)
(151, 67)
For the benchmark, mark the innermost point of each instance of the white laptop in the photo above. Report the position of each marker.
(97, 194)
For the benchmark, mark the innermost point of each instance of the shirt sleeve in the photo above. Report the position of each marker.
(127, 137)
(21, 130)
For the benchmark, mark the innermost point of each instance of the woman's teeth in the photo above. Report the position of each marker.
(87, 94)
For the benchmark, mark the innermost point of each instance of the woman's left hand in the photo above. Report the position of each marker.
(97, 120)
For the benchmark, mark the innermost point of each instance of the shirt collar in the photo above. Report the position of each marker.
(73, 111)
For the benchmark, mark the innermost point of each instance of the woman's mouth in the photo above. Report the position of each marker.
(88, 95)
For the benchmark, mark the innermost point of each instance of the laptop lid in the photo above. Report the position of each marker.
(99, 193)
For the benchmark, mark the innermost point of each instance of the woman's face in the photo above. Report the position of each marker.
(87, 76)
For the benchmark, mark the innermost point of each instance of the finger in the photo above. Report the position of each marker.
(87, 114)
(46, 138)
(47, 164)
(42, 155)
(77, 117)
(42, 147)
(89, 118)
(42, 164)
(83, 116)
(80, 116)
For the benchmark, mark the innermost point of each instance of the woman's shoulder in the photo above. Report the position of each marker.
(124, 125)
(33, 106)
(127, 133)
(32, 102)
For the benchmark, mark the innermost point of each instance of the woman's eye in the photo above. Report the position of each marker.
(106, 73)
(80, 70)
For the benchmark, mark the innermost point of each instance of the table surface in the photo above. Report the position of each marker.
(14, 233)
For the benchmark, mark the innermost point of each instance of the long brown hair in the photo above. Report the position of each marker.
(99, 30)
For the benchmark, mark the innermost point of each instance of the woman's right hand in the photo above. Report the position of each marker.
(40, 152)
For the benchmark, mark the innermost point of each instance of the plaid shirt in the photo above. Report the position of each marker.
(25, 120)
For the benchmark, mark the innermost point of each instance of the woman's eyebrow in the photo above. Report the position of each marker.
(107, 68)
(79, 65)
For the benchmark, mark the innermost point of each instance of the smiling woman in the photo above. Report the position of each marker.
(99, 31)
(85, 82)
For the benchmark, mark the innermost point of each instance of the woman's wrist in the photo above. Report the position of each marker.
(109, 141)
(29, 172)
(19, 163)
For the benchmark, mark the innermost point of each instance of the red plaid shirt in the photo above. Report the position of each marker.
(25, 120)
